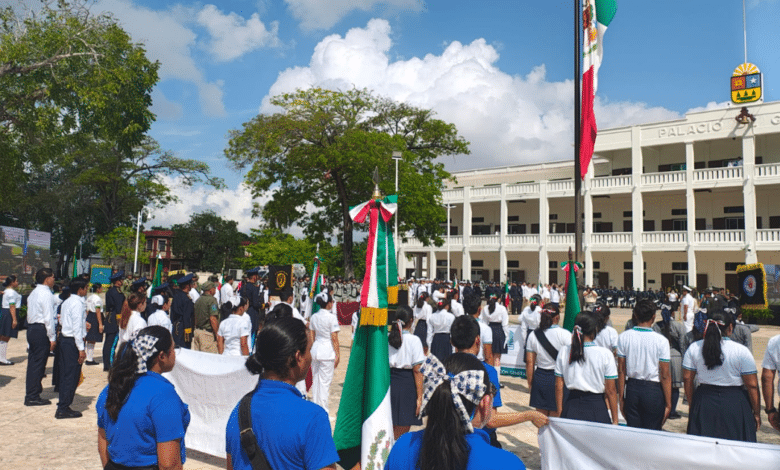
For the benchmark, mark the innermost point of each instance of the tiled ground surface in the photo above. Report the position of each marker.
(33, 439)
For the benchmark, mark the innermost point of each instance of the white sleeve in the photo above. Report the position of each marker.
(48, 320)
(334, 327)
(429, 337)
(505, 325)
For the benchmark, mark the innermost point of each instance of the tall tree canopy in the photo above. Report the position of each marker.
(208, 242)
(317, 156)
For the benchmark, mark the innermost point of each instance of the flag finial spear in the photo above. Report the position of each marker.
(377, 192)
(571, 254)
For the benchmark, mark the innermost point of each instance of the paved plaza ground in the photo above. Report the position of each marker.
(33, 439)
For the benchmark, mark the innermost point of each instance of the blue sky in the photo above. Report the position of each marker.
(501, 70)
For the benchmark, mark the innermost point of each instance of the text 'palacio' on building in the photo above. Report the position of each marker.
(665, 204)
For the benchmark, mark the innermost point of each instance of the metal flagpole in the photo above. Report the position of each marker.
(744, 28)
(577, 125)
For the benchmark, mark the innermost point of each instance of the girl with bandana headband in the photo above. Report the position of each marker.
(141, 419)
(458, 402)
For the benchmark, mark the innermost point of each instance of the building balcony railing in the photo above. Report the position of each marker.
(771, 235)
(486, 192)
(719, 237)
(718, 175)
(522, 189)
(611, 182)
(664, 238)
(560, 186)
(767, 170)
(484, 240)
(522, 240)
(561, 239)
(663, 178)
(612, 240)
(452, 195)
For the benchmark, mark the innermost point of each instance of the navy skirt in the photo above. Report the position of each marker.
(586, 406)
(499, 338)
(403, 398)
(6, 324)
(93, 334)
(441, 346)
(543, 390)
(421, 331)
(722, 412)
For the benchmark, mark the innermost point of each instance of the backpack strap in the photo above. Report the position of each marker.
(542, 338)
(248, 440)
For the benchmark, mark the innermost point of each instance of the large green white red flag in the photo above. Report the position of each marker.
(596, 16)
(364, 424)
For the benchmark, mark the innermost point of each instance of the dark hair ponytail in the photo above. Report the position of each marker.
(324, 299)
(421, 300)
(586, 324)
(603, 312)
(443, 303)
(122, 375)
(276, 346)
(225, 310)
(9, 280)
(402, 318)
(492, 304)
(444, 445)
(549, 312)
(714, 330)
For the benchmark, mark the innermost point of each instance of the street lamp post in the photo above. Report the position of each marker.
(137, 234)
(397, 155)
(448, 206)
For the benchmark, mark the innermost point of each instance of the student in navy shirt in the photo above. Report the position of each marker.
(466, 338)
(292, 433)
(453, 438)
(141, 419)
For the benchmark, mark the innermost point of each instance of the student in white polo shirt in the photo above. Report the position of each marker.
(589, 372)
(541, 352)
(643, 372)
(770, 366)
(720, 406)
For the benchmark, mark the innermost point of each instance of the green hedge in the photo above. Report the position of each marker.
(758, 314)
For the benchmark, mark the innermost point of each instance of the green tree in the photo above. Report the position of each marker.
(320, 152)
(118, 246)
(67, 76)
(209, 242)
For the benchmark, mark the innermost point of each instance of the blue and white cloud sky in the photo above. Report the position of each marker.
(501, 70)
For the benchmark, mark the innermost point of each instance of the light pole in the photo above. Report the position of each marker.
(137, 234)
(397, 155)
(448, 206)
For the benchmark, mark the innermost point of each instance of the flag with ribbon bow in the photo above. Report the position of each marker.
(364, 426)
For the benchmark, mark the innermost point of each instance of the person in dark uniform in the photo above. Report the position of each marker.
(182, 312)
(251, 292)
(114, 301)
(139, 286)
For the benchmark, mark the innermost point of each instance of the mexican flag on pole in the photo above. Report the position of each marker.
(596, 16)
(315, 287)
(364, 426)
(572, 293)
(157, 280)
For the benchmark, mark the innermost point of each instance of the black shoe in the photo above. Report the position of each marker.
(9, 363)
(37, 402)
(91, 363)
(67, 413)
(675, 415)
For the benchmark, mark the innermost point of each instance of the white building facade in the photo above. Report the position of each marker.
(665, 204)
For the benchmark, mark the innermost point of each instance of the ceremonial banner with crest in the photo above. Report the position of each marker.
(746, 84)
(752, 286)
(279, 278)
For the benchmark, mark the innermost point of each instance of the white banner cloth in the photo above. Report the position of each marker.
(513, 362)
(580, 445)
(211, 385)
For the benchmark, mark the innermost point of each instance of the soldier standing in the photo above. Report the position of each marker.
(250, 290)
(182, 312)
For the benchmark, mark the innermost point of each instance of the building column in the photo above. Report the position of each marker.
(690, 209)
(587, 236)
(637, 209)
(544, 224)
(467, 232)
(431, 264)
(418, 265)
(401, 265)
(504, 217)
(749, 195)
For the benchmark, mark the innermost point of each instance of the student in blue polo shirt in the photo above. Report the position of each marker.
(141, 419)
(453, 437)
(292, 433)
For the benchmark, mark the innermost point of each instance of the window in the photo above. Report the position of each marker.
(516, 229)
(534, 228)
(628, 265)
(596, 264)
(512, 264)
(680, 225)
(553, 264)
(476, 220)
(149, 245)
(480, 230)
(441, 262)
(513, 218)
(679, 211)
(597, 215)
(735, 223)
(602, 227)
(553, 216)
(732, 266)
(628, 214)
(679, 266)
(734, 210)
(477, 263)
(162, 244)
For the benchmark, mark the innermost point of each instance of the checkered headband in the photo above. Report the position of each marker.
(144, 347)
(469, 384)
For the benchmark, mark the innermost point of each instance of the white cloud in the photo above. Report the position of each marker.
(233, 36)
(319, 14)
(165, 108)
(508, 119)
(230, 203)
